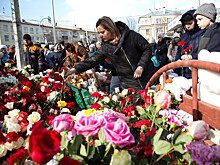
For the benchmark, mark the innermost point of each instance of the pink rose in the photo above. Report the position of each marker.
(118, 133)
(162, 98)
(198, 129)
(70, 134)
(89, 125)
(62, 122)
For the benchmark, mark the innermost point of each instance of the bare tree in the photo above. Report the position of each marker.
(132, 23)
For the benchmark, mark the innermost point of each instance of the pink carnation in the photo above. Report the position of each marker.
(63, 122)
(118, 133)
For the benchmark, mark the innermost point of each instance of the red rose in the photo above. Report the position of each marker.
(32, 107)
(66, 160)
(70, 105)
(96, 106)
(28, 84)
(148, 99)
(22, 116)
(45, 79)
(143, 93)
(38, 124)
(184, 50)
(43, 145)
(122, 103)
(129, 98)
(23, 125)
(50, 119)
(98, 95)
(132, 91)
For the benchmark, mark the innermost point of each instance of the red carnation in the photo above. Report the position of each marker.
(129, 98)
(182, 43)
(142, 122)
(36, 125)
(22, 116)
(50, 119)
(96, 106)
(122, 103)
(98, 95)
(184, 50)
(28, 84)
(148, 100)
(12, 136)
(132, 91)
(17, 157)
(71, 105)
(143, 93)
(45, 79)
(2, 138)
(23, 125)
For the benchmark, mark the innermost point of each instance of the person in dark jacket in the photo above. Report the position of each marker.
(33, 56)
(11, 52)
(206, 16)
(58, 55)
(191, 37)
(47, 55)
(161, 50)
(127, 50)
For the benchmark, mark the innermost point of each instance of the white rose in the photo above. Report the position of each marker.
(9, 105)
(9, 119)
(34, 117)
(26, 143)
(28, 66)
(3, 150)
(114, 98)
(15, 144)
(13, 127)
(106, 99)
(42, 88)
(117, 90)
(14, 113)
(52, 95)
(125, 92)
(65, 110)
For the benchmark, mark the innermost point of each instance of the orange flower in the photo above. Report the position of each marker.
(26, 88)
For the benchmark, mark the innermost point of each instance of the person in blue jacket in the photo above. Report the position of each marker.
(191, 37)
(5, 56)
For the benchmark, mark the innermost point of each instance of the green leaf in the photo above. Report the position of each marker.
(93, 151)
(143, 162)
(187, 157)
(181, 141)
(140, 110)
(108, 146)
(157, 135)
(176, 134)
(74, 145)
(83, 150)
(101, 136)
(98, 143)
(64, 141)
(161, 147)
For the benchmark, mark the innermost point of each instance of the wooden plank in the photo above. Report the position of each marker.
(207, 112)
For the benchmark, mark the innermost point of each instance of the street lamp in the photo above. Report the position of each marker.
(49, 20)
(154, 24)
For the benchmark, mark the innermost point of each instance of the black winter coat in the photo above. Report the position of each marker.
(131, 51)
(33, 57)
(211, 38)
(161, 51)
(57, 57)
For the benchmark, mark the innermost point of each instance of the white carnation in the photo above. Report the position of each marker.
(3, 150)
(15, 144)
(9, 105)
(125, 92)
(14, 113)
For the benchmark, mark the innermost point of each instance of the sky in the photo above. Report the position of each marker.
(85, 13)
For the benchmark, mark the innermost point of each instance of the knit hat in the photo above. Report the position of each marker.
(186, 17)
(92, 46)
(176, 35)
(27, 37)
(161, 35)
(151, 40)
(208, 10)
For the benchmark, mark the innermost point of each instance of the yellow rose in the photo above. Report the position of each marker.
(61, 103)
(120, 158)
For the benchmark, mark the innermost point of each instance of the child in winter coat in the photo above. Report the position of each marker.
(5, 57)
(206, 16)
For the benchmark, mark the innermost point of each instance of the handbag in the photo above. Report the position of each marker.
(154, 59)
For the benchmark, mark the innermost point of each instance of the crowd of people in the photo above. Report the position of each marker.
(125, 52)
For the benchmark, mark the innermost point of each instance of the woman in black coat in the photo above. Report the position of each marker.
(58, 55)
(127, 50)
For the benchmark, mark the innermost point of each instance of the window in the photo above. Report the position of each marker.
(159, 30)
(169, 20)
(12, 38)
(5, 28)
(6, 37)
(32, 38)
(32, 30)
(37, 31)
(70, 33)
(158, 21)
(147, 22)
(12, 29)
(147, 31)
(25, 30)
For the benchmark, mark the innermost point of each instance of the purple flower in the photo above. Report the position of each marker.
(118, 133)
(89, 125)
(62, 123)
(201, 154)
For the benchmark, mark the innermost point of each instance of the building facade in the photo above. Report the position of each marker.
(43, 32)
(156, 22)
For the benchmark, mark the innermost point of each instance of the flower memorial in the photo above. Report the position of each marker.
(41, 123)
